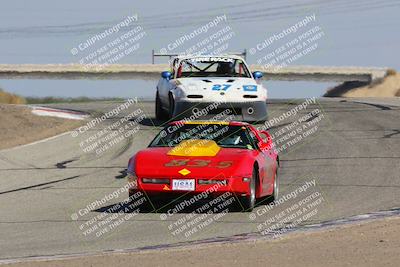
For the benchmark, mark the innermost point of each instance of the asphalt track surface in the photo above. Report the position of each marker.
(353, 156)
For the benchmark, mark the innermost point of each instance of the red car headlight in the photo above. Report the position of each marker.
(213, 181)
(132, 180)
(155, 181)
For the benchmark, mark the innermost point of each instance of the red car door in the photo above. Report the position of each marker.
(266, 159)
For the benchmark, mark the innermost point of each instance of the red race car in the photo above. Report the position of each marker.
(207, 156)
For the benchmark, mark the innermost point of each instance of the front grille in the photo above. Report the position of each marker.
(249, 96)
(194, 96)
(233, 111)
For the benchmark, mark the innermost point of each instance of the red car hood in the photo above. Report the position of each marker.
(155, 162)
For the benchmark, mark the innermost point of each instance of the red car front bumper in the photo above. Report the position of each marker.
(237, 185)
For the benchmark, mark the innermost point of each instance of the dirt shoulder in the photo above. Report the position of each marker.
(19, 126)
(375, 243)
(387, 87)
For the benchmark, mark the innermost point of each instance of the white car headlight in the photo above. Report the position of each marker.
(179, 92)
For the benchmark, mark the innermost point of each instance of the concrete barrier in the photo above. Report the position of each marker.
(152, 71)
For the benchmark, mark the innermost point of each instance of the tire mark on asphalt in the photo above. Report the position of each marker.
(38, 185)
(351, 185)
(122, 174)
(339, 158)
(55, 168)
(127, 144)
(382, 107)
(392, 134)
(62, 164)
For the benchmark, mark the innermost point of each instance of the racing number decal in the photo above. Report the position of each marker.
(219, 87)
(176, 163)
(198, 163)
(224, 164)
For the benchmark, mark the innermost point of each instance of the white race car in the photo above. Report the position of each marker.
(195, 82)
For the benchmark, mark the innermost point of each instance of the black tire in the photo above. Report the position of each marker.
(275, 194)
(171, 107)
(249, 202)
(160, 113)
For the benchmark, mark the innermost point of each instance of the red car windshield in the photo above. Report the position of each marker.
(223, 135)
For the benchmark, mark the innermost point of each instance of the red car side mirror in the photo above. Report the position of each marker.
(267, 141)
(263, 146)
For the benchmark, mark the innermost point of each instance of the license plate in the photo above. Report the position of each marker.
(187, 185)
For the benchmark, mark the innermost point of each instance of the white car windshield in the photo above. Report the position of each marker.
(212, 67)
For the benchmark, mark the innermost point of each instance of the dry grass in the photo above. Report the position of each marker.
(19, 126)
(391, 72)
(7, 98)
(386, 87)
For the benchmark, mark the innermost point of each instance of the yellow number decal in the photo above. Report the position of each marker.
(176, 163)
(224, 164)
(199, 163)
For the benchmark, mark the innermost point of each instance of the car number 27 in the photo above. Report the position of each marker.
(219, 87)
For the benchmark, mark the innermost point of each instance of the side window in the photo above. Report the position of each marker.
(173, 67)
(240, 69)
(253, 139)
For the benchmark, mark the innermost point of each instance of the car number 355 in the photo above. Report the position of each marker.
(198, 163)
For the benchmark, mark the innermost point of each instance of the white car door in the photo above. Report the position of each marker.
(165, 86)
